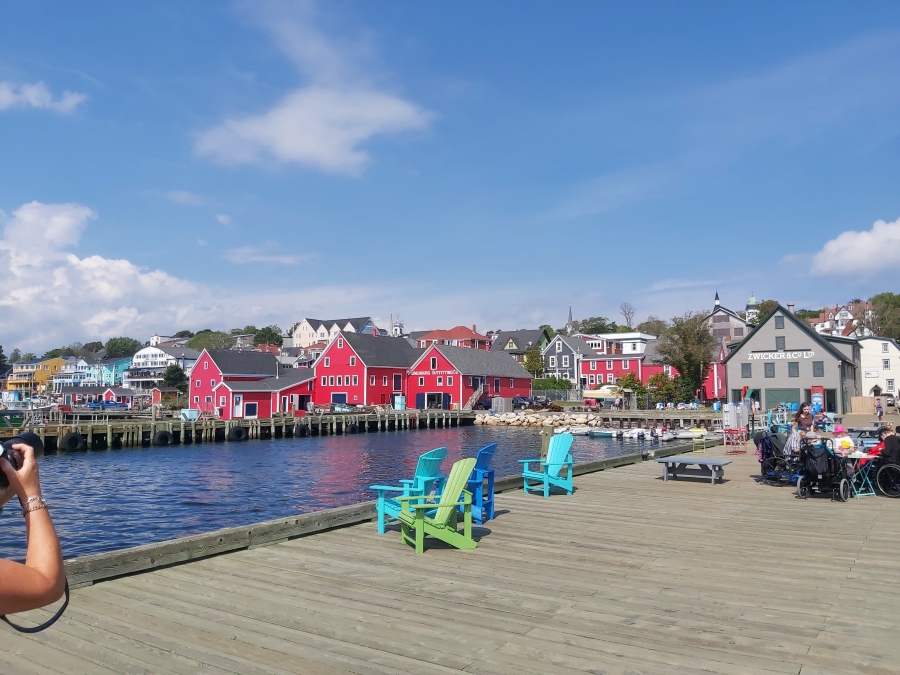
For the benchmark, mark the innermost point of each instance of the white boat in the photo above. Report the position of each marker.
(691, 433)
(635, 433)
(575, 431)
(667, 436)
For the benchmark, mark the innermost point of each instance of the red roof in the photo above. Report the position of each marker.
(455, 333)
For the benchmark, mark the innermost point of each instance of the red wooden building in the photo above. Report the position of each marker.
(458, 336)
(446, 376)
(246, 384)
(362, 369)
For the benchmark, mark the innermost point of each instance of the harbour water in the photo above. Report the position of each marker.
(113, 499)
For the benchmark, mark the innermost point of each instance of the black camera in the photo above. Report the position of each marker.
(13, 456)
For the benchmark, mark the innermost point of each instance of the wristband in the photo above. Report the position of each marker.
(37, 503)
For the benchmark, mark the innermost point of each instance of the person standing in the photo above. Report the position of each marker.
(879, 409)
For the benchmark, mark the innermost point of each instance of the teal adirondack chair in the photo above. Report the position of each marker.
(483, 495)
(549, 475)
(415, 523)
(428, 476)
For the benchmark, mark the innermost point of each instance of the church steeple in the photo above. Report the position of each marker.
(569, 325)
(717, 303)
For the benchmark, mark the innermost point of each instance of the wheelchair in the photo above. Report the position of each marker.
(775, 467)
(823, 472)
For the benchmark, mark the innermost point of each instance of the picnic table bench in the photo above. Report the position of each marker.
(715, 468)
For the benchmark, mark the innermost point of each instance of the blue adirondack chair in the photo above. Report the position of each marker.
(428, 476)
(482, 496)
(551, 471)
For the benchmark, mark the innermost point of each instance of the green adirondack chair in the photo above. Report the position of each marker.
(415, 523)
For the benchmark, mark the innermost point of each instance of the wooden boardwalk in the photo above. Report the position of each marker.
(629, 575)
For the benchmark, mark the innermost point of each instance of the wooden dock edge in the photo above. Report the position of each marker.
(91, 569)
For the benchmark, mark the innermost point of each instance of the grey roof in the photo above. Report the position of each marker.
(575, 344)
(521, 338)
(469, 361)
(287, 378)
(383, 352)
(120, 391)
(357, 322)
(177, 352)
(417, 334)
(243, 362)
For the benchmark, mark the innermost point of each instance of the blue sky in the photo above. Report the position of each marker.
(175, 165)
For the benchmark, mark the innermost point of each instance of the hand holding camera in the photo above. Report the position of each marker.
(19, 469)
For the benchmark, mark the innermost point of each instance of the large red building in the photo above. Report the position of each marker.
(246, 384)
(362, 369)
(445, 376)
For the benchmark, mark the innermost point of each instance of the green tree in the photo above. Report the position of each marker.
(766, 307)
(53, 353)
(550, 331)
(550, 384)
(534, 362)
(684, 390)
(885, 320)
(805, 314)
(174, 377)
(653, 325)
(15, 355)
(632, 382)
(184, 334)
(93, 347)
(662, 388)
(2, 357)
(688, 346)
(211, 340)
(246, 330)
(595, 324)
(28, 356)
(270, 335)
(122, 346)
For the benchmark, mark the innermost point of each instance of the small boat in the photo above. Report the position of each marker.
(667, 436)
(575, 431)
(603, 433)
(634, 433)
(698, 432)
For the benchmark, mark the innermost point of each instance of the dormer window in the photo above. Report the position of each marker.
(340, 343)
(434, 363)
(559, 346)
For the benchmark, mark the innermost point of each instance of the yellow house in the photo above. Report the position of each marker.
(33, 376)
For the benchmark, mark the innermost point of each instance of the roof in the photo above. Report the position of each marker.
(573, 343)
(178, 352)
(470, 361)
(82, 390)
(287, 378)
(120, 391)
(243, 362)
(455, 333)
(165, 389)
(416, 334)
(521, 338)
(358, 323)
(382, 352)
(804, 327)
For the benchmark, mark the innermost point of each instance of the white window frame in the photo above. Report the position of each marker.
(222, 401)
(609, 365)
(609, 378)
(327, 362)
(208, 399)
(889, 384)
(440, 381)
(496, 385)
(384, 380)
(593, 365)
(331, 381)
(590, 379)
(206, 364)
(512, 383)
(552, 363)
(884, 347)
(421, 381)
(340, 343)
(565, 361)
(885, 364)
(324, 380)
(449, 380)
(340, 379)
(212, 383)
(470, 381)
(196, 399)
(434, 363)
(371, 380)
(626, 364)
(356, 380)
(199, 383)
(352, 360)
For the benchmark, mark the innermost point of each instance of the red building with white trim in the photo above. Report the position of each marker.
(445, 376)
(458, 336)
(362, 369)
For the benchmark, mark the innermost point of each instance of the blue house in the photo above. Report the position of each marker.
(109, 371)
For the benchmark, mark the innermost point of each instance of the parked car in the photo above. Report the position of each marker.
(889, 400)
(522, 402)
(484, 404)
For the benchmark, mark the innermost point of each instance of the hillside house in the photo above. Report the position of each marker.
(362, 369)
(563, 355)
(850, 320)
(726, 324)
(148, 367)
(311, 331)
(458, 336)
(445, 376)
(517, 342)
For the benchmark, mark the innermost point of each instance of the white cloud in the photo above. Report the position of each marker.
(322, 125)
(268, 253)
(223, 219)
(186, 198)
(37, 95)
(861, 254)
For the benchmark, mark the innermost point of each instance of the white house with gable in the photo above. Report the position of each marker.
(880, 365)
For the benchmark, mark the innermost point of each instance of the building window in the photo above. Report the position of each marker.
(793, 369)
(355, 380)
(340, 381)
(779, 343)
(565, 360)
(251, 409)
(890, 385)
(371, 380)
(634, 346)
(440, 381)
(208, 399)
(609, 378)
(667, 370)
(885, 364)
(590, 379)
(327, 361)
(769, 369)
(331, 381)
(884, 347)
(746, 370)
(558, 346)
(199, 384)
(340, 343)
(609, 365)
(352, 360)
(196, 399)
(625, 364)
(738, 332)
(593, 365)
(212, 383)
(384, 380)
(470, 378)
(206, 363)
(779, 321)
(324, 381)
(449, 380)
(552, 362)
(512, 383)
(222, 401)
(421, 381)
(496, 385)
(434, 363)
(818, 369)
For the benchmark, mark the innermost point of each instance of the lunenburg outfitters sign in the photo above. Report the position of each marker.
(780, 356)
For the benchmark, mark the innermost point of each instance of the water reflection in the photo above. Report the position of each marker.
(107, 500)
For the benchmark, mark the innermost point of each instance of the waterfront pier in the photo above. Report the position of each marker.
(629, 574)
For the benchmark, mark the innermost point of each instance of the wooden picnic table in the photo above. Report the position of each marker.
(707, 466)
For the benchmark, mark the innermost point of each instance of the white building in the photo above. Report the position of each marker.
(310, 331)
(618, 343)
(880, 365)
(727, 325)
(148, 366)
(848, 320)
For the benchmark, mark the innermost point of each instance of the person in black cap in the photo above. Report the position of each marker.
(889, 445)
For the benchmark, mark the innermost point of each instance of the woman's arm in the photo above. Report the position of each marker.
(41, 580)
